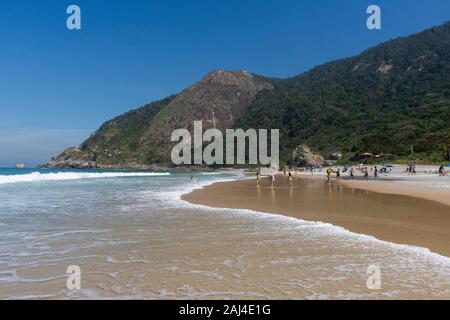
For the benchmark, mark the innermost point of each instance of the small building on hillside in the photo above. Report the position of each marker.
(366, 156)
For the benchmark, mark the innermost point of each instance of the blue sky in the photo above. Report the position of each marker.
(57, 86)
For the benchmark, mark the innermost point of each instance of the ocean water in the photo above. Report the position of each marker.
(134, 238)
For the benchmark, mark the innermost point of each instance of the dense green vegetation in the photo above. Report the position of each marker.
(118, 141)
(392, 99)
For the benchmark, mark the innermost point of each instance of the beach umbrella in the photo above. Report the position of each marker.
(367, 154)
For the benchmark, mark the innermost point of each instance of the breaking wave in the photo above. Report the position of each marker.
(59, 176)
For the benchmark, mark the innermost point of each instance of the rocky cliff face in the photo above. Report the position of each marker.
(386, 100)
(218, 100)
(302, 156)
(142, 137)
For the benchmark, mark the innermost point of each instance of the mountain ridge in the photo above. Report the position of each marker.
(393, 98)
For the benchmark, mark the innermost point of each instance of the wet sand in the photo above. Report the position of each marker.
(135, 239)
(396, 218)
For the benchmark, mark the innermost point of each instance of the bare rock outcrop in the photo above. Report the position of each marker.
(302, 156)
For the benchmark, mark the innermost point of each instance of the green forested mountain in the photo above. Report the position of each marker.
(141, 137)
(391, 99)
(386, 100)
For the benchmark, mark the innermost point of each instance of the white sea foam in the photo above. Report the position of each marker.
(326, 227)
(38, 177)
(167, 195)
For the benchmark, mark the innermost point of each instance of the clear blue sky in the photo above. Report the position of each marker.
(57, 86)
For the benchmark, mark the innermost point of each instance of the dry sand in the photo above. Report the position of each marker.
(423, 192)
(388, 210)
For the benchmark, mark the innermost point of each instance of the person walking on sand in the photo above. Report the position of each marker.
(258, 177)
(366, 174)
(375, 173)
(352, 173)
(291, 181)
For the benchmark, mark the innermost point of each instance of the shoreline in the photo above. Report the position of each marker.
(393, 187)
(401, 190)
(387, 210)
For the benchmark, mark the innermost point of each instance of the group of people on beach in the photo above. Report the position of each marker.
(351, 171)
(272, 178)
(329, 172)
(411, 170)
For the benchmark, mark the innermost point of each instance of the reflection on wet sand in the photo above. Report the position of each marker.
(395, 218)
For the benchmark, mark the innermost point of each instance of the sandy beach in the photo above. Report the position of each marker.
(133, 237)
(413, 210)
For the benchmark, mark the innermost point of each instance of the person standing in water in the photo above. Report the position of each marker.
(272, 179)
(328, 174)
(338, 174)
(258, 177)
(352, 173)
(375, 173)
(291, 181)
